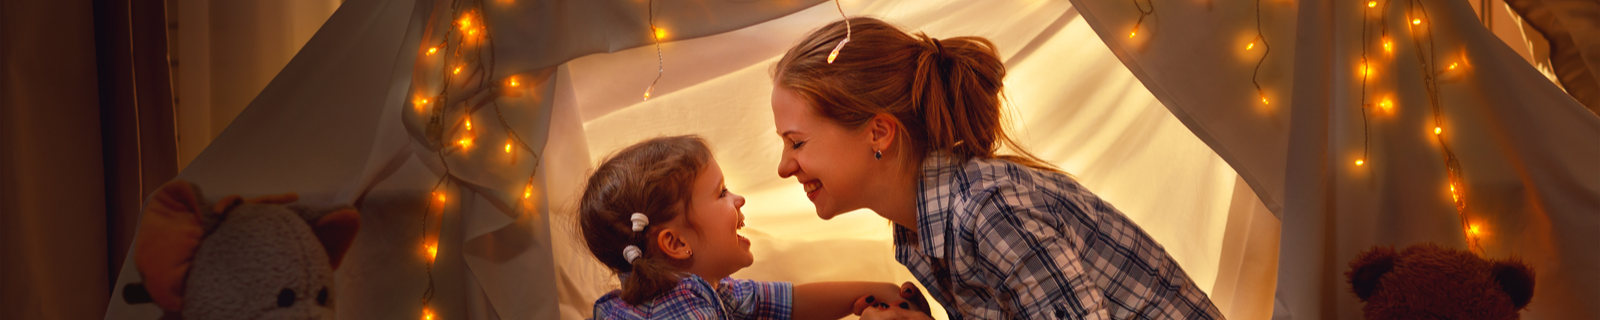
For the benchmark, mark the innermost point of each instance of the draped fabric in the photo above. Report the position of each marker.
(1528, 183)
(1155, 124)
(1069, 99)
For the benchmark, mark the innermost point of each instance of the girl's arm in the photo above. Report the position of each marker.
(834, 300)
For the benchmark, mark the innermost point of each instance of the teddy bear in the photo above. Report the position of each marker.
(258, 258)
(1429, 281)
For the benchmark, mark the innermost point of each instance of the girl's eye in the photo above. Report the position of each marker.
(724, 193)
(797, 144)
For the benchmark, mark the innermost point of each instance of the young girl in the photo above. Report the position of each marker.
(658, 214)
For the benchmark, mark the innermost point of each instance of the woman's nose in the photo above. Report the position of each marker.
(787, 166)
(738, 201)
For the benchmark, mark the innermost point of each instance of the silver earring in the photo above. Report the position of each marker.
(878, 154)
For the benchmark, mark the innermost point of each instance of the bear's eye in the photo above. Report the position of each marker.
(285, 298)
(322, 297)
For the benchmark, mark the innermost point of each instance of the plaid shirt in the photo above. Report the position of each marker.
(694, 298)
(998, 240)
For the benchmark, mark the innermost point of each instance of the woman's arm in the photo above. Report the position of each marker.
(834, 300)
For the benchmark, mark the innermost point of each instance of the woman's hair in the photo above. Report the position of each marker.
(946, 93)
(654, 177)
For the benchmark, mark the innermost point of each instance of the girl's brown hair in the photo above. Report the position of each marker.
(946, 93)
(654, 177)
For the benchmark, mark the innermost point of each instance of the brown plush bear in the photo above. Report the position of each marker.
(1428, 281)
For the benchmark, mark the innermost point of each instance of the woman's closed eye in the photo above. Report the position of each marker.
(797, 144)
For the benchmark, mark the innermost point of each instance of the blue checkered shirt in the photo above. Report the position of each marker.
(694, 298)
(999, 240)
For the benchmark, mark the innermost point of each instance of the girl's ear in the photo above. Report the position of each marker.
(671, 242)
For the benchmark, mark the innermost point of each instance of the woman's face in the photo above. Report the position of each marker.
(831, 162)
(717, 219)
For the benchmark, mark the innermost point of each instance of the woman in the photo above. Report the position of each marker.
(908, 126)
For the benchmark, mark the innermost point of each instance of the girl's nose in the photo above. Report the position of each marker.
(738, 201)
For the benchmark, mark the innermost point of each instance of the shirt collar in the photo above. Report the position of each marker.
(935, 197)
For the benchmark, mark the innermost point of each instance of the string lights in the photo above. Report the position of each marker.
(465, 47)
(1422, 41)
(848, 33)
(1422, 38)
(1149, 8)
(1266, 48)
(658, 33)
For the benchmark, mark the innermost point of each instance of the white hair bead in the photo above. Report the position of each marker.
(639, 221)
(630, 252)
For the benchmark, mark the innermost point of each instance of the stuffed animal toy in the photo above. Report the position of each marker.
(260, 258)
(1428, 281)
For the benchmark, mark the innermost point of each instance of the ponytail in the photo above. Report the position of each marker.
(946, 93)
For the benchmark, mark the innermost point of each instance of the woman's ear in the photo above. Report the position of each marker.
(881, 131)
(671, 242)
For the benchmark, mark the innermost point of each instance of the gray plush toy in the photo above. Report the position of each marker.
(260, 258)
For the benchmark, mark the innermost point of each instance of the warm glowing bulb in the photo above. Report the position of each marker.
(469, 123)
(432, 50)
(508, 146)
(528, 191)
(433, 251)
(831, 55)
(1359, 162)
(466, 22)
(1252, 45)
(464, 142)
(427, 314)
(661, 33)
(1473, 229)
(1416, 21)
(1133, 33)
(1264, 99)
(422, 102)
(458, 70)
(439, 196)
(1371, 4)
(1452, 66)
(514, 82)
(1386, 104)
(1437, 130)
(1387, 46)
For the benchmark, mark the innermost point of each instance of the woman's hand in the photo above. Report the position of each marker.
(910, 305)
(911, 293)
(900, 311)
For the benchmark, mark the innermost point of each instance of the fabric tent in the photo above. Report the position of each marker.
(1153, 126)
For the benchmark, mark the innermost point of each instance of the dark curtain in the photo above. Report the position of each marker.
(86, 131)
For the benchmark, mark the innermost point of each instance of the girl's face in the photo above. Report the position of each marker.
(829, 160)
(718, 247)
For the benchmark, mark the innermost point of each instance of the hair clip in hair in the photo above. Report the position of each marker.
(631, 253)
(639, 221)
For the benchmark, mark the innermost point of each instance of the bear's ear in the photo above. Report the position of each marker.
(336, 230)
(1516, 279)
(1368, 268)
(169, 233)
